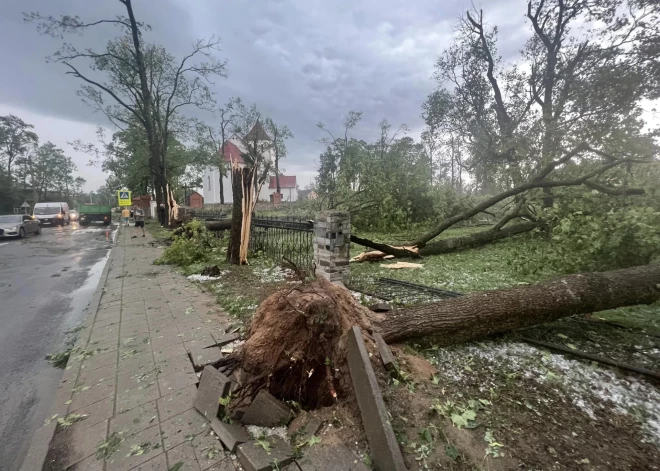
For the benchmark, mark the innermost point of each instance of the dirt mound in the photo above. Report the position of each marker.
(296, 345)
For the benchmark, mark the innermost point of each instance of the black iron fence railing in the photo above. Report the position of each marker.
(284, 237)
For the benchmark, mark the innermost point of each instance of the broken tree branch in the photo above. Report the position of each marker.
(477, 239)
(592, 357)
(386, 248)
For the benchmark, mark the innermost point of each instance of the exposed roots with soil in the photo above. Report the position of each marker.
(296, 346)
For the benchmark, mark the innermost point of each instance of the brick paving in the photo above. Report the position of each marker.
(135, 381)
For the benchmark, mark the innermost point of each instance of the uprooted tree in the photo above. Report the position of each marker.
(567, 116)
(296, 345)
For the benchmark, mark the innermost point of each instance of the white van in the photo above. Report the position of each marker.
(52, 213)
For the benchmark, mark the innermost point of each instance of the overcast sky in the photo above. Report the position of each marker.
(300, 61)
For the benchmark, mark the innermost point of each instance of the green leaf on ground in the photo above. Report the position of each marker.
(70, 419)
(451, 452)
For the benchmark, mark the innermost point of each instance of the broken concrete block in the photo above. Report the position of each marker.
(331, 458)
(212, 386)
(382, 441)
(386, 354)
(204, 356)
(303, 427)
(230, 435)
(253, 456)
(267, 411)
(380, 307)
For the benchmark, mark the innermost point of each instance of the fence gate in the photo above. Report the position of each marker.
(284, 237)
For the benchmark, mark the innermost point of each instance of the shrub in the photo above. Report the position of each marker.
(193, 244)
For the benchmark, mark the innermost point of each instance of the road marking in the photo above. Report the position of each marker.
(5, 243)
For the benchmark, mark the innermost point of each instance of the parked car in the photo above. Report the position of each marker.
(17, 225)
(73, 215)
(52, 213)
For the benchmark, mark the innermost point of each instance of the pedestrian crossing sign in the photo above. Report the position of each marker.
(124, 198)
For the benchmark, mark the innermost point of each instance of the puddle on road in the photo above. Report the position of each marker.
(81, 297)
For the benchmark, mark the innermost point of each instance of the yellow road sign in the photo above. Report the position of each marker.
(124, 198)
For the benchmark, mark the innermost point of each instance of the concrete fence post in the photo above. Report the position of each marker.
(332, 245)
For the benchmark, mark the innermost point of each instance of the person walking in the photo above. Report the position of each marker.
(125, 214)
(138, 214)
(161, 214)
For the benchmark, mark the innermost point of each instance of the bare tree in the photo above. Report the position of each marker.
(279, 135)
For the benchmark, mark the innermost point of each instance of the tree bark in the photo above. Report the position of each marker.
(222, 190)
(477, 239)
(234, 249)
(482, 314)
(219, 225)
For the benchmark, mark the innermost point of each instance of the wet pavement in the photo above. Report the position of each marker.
(46, 281)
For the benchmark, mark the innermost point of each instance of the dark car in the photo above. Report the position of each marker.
(17, 225)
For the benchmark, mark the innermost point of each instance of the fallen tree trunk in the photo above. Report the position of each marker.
(448, 245)
(219, 225)
(486, 313)
(476, 239)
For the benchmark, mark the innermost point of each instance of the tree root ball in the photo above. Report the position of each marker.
(297, 343)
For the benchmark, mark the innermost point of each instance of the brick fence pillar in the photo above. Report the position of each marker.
(332, 245)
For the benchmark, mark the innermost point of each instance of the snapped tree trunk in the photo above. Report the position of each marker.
(482, 314)
(234, 249)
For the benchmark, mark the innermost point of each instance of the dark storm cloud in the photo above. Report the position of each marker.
(300, 61)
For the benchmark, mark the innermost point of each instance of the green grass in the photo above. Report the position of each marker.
(156, 231)
(478, 269)
(494, 266)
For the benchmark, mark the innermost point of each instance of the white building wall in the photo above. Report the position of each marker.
(211, 185)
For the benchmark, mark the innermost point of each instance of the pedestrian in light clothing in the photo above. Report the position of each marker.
(138, 214)
(125, 214)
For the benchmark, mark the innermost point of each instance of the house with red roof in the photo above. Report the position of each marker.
(214, 184)
(288, 187)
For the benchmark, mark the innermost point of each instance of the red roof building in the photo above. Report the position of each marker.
(232, 153)
(285, 182)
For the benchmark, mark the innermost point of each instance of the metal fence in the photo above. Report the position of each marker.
(284, 237)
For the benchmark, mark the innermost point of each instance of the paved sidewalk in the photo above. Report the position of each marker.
(132, 376)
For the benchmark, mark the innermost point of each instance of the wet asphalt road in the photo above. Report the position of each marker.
(46, 281)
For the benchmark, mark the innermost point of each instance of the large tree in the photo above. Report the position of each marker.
(214, 140)
(279, 135)
(52, 172)
(135, 81)
(16, 140)
(567, 114)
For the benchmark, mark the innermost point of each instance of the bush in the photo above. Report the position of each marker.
(193, 244)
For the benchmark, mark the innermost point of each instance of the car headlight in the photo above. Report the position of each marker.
(59, 216)
(13, 229)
